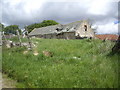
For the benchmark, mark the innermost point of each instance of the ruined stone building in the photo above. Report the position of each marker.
(75, 30)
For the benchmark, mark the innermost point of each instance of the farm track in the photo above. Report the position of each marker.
(6, 82)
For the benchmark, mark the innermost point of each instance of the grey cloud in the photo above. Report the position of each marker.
(62, 12)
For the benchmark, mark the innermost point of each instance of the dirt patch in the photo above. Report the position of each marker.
(25, 52)
(35, 53)
(6, 82)
(47, 53)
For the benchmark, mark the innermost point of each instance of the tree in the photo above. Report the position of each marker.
(1, 27)
(11, 29)
(44, 23)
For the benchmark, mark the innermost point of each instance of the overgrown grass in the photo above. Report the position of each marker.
(75, 64)
(15, 39)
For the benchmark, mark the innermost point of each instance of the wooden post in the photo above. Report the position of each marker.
(4, 36)
(19, 37)
(29, 41)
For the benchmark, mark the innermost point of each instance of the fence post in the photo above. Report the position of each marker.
(19, 37)
(29, 41)
(4, 36)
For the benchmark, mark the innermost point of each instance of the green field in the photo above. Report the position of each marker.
(74, 64)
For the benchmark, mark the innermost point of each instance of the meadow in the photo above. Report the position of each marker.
(74, 64)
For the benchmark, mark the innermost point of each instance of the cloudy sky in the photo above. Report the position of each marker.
(102, 13)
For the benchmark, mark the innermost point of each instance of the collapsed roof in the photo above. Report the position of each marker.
(71, 27)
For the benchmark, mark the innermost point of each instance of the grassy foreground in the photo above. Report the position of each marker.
(75, 64)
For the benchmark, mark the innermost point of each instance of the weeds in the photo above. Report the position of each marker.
(74, 64)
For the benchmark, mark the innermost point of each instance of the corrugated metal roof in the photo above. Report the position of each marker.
(56, 28)
(107, 36)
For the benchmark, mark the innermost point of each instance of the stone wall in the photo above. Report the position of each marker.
(69, 35)
(85, 30)
(64, 35)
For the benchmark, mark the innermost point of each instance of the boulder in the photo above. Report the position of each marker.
(47, 53)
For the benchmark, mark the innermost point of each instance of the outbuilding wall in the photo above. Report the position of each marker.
(85, 33)
(64, 35)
